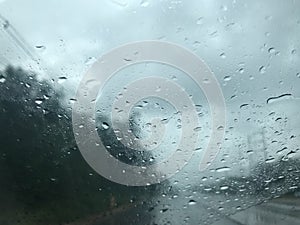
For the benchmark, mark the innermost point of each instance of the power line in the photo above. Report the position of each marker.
(16, 38)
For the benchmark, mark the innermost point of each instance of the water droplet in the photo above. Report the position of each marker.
(214, 34)
(192, 202)
(271, 50)
(280, 151)
(220, 127)
(250, 152)
(291, 154)
(199, 20)
(145, 3)
(270, 160)
(174, 77)
(163, 210)
(6, 24)
(223, 188)
(262, 69)
(38, 101)
(224, 8)
(208, 189)
(40, 47)
(223, 169)
(72, 100)
(121, 3)
(279, 98)
(206, 81)
(90, 61)
(244, 105)
(204, 178)
(105, 125)
(268, 17)
(46, 97)
(227, 78)
(197, 129)
(2, 79)
(61, 80)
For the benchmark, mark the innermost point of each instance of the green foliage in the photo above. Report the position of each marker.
(34, 129)
(42, 171)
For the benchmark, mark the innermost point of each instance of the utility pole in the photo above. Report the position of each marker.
(256, 145)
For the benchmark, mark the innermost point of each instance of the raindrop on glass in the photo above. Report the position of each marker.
(61, 80)
(262, 69)
(105, 125)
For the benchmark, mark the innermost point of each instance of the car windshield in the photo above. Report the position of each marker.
(144, 112)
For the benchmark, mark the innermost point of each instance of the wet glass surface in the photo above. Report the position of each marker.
(253, 51)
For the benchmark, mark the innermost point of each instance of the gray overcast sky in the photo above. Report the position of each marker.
(74, 31)
(255, 44)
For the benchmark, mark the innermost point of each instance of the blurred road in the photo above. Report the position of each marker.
(281, 211)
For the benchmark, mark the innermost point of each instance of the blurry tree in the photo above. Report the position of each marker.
(40, 163)
(34, 130)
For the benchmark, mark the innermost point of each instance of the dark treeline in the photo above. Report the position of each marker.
(44, 179)
(123, 153)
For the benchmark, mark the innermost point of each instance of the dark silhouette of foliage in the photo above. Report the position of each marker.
(34, 134)
(40, 163)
